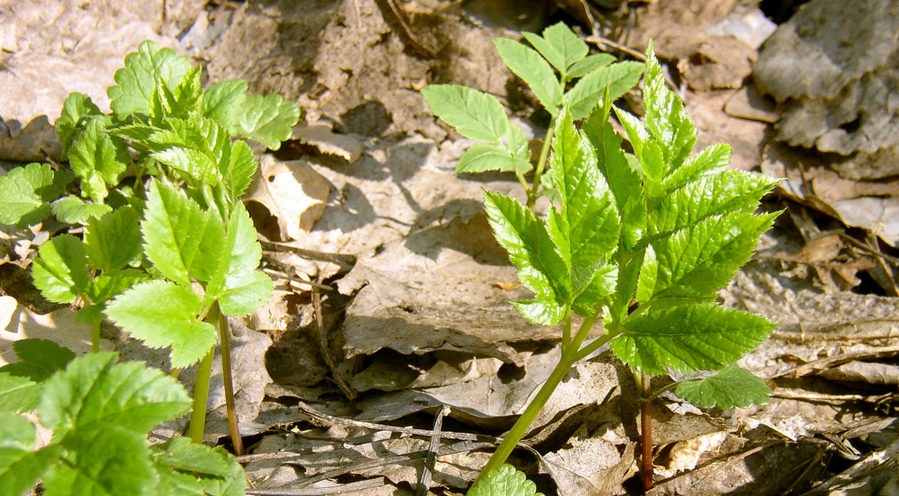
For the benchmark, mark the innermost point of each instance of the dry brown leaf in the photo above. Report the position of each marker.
(293, 192)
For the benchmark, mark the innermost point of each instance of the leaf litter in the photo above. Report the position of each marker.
(413, 288)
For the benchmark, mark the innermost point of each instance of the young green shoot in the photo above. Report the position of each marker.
(635, 244)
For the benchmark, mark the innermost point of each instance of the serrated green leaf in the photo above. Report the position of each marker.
(238, 170)
(16, 432)
(666, 119)
(183, 455)
(189, 468)
(60, 271)
(185, 98)
(540, 267)
(533, 69)
(107, 461)
(624, 181)
(195, 147)
(267, 119)
(585, 227)
(162, 314)
(20, 382)
(75, 110)
(20, 469)
(714, 194)
(698, 260)
(98, 158)
(180, 238)
(472, 113)
(73, 210)
(222, 101)
(113, 240)
(689, 336)
(730, 387)
(483, 157)
(26, 191)
(589, 64)
(572, 48)
(550, 52)
(145, 73)
(504, 481)
(109, 284)
(240, 288)
(712, 158)
(617, 79)
(94, 393)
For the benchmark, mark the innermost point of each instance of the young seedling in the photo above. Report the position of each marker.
(637, 243)
(99, 412)
(168, 250)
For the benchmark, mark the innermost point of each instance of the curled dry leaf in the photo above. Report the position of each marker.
(293, 192)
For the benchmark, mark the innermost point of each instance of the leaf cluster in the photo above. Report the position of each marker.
(644, 240)
(155, 185)
(99, 412)
(562, 74)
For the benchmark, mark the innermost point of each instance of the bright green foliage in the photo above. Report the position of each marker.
(504, 481)
(99, 412)
(20, 387)
(562, 75)
(622, 232)
(641, 242)
(162, 314)
(182, 221)
(26, 191)
(182, 240)
(729, 387)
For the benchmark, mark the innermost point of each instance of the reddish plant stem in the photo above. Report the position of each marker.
(645, 433)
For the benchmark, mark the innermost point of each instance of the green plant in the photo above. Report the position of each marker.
(99, 413)
(638, 242)
(562, 76)
(168, 250)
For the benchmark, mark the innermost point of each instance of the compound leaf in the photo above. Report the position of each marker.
(145, 73)
(689, 336)
(472, 113)
(162, 314)
(267, 119)
(533, 69)
(60, 271)
(503, 481)
(181, 239)
(730, 387)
